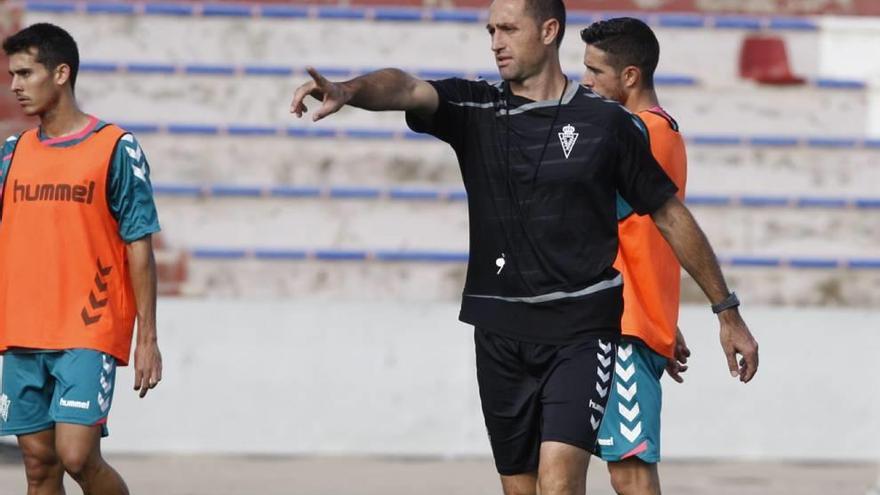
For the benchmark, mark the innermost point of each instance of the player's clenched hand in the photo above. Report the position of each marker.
(737, 339)
(147, 367)
(678, 365)
(332, 95)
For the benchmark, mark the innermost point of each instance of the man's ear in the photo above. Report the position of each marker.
(549, 31)
(61, 74)
(632, 76)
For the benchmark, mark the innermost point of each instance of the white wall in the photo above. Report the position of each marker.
(304, 377)
(847, 49)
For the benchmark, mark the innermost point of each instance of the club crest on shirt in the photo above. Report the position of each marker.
(567, 138)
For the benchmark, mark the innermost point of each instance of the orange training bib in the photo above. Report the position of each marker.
(64, 280)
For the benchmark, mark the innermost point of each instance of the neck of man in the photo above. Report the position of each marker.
(63, 119)
(547, 84)
(639, 100)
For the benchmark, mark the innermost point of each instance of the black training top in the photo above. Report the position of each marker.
(542, 182)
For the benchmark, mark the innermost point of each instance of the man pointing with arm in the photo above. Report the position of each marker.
(542, 159)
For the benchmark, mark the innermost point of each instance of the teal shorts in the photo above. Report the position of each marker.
(631, 426)
(41, 388)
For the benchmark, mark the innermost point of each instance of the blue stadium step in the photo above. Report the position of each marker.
(183, 33)
(364, 216)
(207, 94)
(258, 155)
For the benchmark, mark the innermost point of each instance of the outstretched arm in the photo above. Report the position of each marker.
(147, 358)
(386, 89)
(696, 256)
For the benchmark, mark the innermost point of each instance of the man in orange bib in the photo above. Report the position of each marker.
(76, 270)
(620, 58)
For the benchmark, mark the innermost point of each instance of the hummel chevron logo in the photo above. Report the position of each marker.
(95, 302)
(139, 169)
(107, 365)
(625, 373)
(135, 154)
(605, 347)
(104, 270)
(631, 435)
(597, 407)
(603, 376)
(103, 402)
(625, 351)
(595, 422)
(105, 385)
(87, 318)
(629, 413)
(627, 393)
(604, 360)
(100, 284)
(140, 172)
(4, 407)
(602, 391)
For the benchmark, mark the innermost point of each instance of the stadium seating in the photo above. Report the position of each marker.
(765, 59)
(221, 94)
(255, 203)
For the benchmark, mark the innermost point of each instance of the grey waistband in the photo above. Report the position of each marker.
(553, 296)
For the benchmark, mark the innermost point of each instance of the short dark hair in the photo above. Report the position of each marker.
(54, 45)
(627, 41)
(544, 10)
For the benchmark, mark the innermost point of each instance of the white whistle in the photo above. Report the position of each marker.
(500, 264)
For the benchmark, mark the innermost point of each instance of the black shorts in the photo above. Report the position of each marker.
(533, 393)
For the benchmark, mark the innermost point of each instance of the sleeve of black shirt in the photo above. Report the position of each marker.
(641, 181)
(449, 122)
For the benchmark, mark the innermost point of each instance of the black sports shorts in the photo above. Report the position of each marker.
(533, 393)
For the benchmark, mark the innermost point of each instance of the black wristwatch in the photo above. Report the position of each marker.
(730, 301)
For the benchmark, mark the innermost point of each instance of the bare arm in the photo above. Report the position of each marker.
(386, 89)
(147, 358)
(696, 256)
(691, 248)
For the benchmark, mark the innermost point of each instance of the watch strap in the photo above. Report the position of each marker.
(731, 301)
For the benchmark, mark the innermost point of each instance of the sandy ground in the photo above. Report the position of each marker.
(190, 475)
